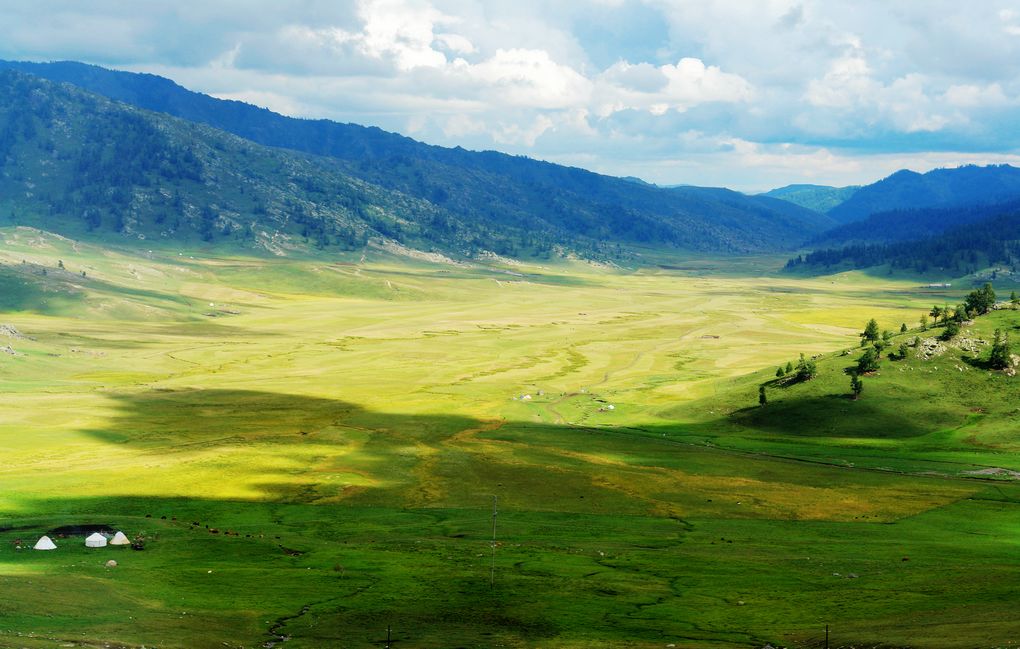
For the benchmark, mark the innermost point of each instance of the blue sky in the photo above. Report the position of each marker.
(749, 94)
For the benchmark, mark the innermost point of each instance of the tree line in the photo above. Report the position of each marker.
(994, 241)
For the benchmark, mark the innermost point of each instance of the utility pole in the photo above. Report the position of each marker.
(387, 636)
(492, 570)
(826, 636)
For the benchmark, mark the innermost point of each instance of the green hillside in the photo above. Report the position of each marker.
(941, 408)
(820, 198)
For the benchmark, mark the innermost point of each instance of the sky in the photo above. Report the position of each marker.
(748, 94)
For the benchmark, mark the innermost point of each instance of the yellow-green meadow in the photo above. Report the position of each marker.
(312, 447)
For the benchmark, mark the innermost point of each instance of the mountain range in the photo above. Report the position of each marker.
(87, 151)
(447, 199)
(964, 186)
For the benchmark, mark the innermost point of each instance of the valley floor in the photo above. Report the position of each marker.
(312, 450)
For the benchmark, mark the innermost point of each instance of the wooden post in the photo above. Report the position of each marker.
(492, 569)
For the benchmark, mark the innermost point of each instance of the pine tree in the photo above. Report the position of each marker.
(952, 329)
(780, 373)
(870, 333)
(924, 322)
(856, 385)
(762, 399)
(903, 328)
(999, 358)
(789, 367)
(868, 362)
(880, 346)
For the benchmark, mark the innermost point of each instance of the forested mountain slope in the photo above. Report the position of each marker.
(820, 198)
(79, 164)
(990, 242)
(540, 203)
(906, 225)
(965, 186)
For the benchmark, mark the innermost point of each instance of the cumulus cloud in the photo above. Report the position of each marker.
(519, 77)
(668, 87)
(675, 90)
(969, 95)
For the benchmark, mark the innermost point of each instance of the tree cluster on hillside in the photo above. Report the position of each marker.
(875, 341)
(980, 301)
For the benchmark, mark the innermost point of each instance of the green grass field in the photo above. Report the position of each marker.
(312, 448)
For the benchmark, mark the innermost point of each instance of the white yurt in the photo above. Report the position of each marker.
(45, 543)
(120, 539)
(96, 540)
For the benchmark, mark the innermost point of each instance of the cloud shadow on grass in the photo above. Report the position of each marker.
(159, 419)
(831, 415)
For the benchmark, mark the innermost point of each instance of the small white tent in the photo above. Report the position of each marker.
(45, 543)
(96, 540)
(119, 539)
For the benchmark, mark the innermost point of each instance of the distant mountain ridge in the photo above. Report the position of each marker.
(962, 250)
(906, 225)
(490, 191)
(78, 164)
(820, 198)
(940, 188)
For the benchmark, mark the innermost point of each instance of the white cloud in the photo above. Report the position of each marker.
(393, 30)
(850, 89)
(969, 95)
(680, 90)
(455, 43)
(457, 126)
(668, 87)
(846, 84)
(527, 134)
(1009, 20)
(519, 77)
